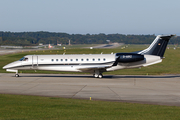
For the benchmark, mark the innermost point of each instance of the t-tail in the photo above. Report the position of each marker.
(158, 46)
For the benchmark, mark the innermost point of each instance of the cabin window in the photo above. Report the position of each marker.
(81, 59)
(99, 59)
(61, 59)
(65, 59)
(76, 59)
(52, 60)
(56, 59)
(71, 59)
(87, 59)
(93, 59)
(104, 59)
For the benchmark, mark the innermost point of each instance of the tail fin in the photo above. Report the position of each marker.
(158, 46)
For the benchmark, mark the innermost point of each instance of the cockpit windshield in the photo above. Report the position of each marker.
(23, 59)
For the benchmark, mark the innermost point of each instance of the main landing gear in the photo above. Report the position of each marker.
(97, 74)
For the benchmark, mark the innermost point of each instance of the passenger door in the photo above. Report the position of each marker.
(34, 61)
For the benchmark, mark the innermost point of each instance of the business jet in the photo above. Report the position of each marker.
(93, 63)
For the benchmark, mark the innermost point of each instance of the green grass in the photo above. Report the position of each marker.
(170, 64)
(15, 107)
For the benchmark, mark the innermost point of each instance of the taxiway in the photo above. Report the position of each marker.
(161, 90)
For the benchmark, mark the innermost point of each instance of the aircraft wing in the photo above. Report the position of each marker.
(91, 69)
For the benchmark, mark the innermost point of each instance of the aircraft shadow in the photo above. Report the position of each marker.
(147, 76)
(104, 77)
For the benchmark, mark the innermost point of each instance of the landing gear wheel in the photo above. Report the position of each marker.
(100, 75)
(16, 75)
(96, 75)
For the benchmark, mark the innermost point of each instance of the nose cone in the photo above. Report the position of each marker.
(5, 67)
(8, 66)
(12, 65)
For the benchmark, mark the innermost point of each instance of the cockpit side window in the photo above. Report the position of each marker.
(25, 59)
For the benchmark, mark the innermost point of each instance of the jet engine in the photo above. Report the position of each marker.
(129, 57)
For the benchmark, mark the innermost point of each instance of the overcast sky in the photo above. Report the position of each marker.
(91, 16)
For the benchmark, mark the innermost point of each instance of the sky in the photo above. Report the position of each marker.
(91, 16)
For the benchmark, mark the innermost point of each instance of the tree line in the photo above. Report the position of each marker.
(34, 38)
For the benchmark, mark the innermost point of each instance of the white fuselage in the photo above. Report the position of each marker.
(78, 63)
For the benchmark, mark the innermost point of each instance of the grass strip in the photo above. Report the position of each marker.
(35, 107)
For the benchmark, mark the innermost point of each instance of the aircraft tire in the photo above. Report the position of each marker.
(16, 75)
(100, 76)
(96, 75)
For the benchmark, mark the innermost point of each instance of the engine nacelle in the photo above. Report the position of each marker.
(129, 57)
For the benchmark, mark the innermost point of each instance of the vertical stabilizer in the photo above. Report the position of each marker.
(158, 46)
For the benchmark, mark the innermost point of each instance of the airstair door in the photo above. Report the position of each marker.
(34, 61)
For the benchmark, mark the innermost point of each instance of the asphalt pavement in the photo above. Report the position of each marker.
(161, 90)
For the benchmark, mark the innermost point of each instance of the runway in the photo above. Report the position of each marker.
(161, 90)
(113, 45)
(12, 51)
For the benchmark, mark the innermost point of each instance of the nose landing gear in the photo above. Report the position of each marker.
(16, 75)
(12, 70)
